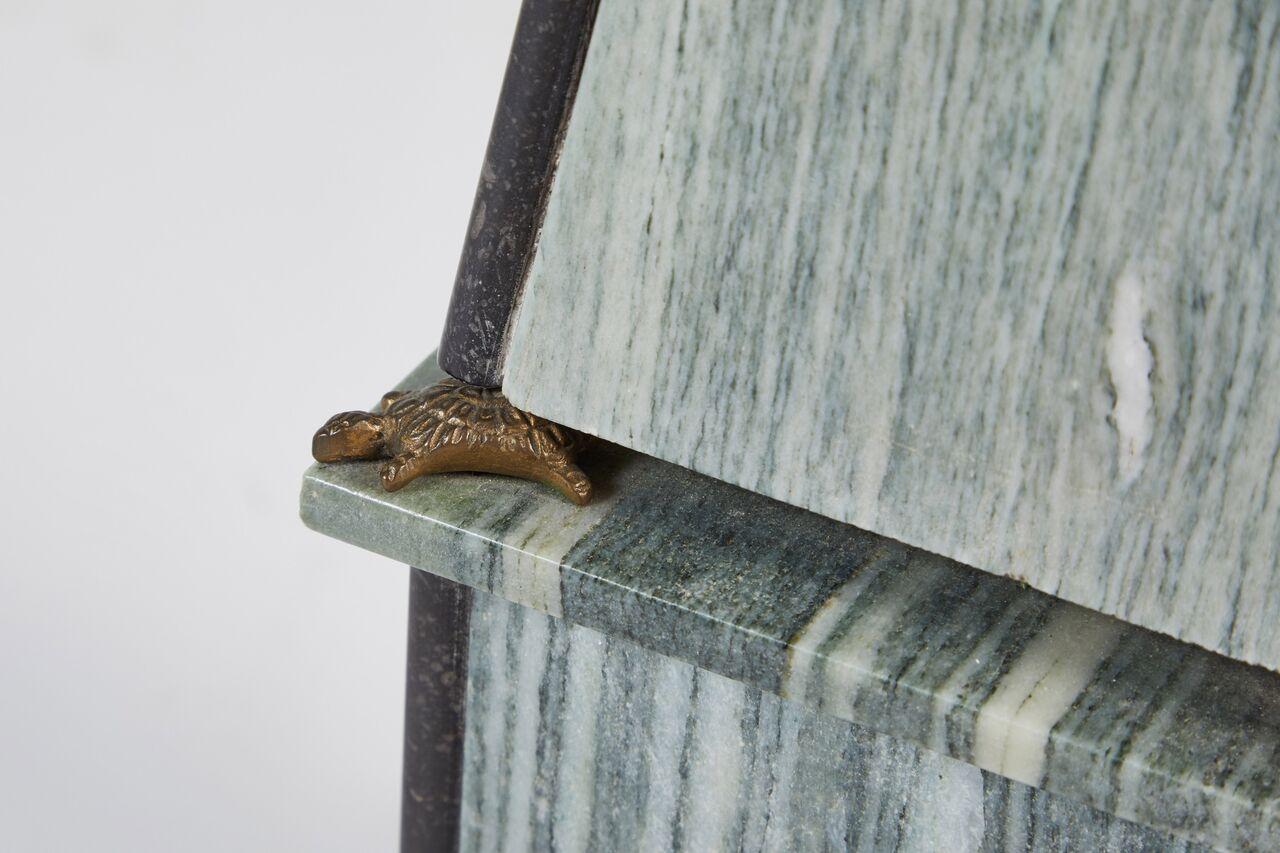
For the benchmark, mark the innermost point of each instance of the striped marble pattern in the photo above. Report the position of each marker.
(576, 741)
(853, 626)
(999, 279)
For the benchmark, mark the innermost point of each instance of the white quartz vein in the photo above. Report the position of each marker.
(1011, 734)
(1129, 361)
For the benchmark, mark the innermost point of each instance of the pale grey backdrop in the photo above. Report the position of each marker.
(219, 223)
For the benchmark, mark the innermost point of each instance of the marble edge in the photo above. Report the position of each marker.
(904, 642)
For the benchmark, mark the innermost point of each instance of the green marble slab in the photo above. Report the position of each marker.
(854, 626)
(1000, 280)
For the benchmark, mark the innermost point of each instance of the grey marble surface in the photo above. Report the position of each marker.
(578, 741)
(996, 279)
(853, 626)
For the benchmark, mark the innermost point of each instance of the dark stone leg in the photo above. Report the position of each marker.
(435, 694)
(546, 59)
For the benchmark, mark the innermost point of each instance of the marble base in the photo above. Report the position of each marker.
(998, 280)
(576, 741)
(853, 626)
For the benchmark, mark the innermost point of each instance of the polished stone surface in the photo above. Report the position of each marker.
(854, 626)
(578, 741)
(1000, 280)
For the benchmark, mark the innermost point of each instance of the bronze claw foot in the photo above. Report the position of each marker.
(455, 427)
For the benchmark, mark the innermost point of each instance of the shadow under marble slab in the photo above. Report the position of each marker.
(579, 741)
(971, 665)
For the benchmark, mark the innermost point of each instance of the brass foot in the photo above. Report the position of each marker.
(456, 427)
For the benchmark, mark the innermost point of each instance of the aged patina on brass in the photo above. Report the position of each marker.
(452, 426)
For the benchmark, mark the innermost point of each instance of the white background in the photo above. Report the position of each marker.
(220, 222)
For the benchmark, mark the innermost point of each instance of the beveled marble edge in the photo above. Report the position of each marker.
(972, 665)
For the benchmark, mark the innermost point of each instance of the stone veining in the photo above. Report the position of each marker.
(999, 280)
(1129, 364)
(852, 626)
(578, 741)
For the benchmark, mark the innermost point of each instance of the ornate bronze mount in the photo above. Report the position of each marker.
(456, 427)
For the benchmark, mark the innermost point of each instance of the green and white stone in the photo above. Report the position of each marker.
(576, 741)
(851, 626)
(1000, 280)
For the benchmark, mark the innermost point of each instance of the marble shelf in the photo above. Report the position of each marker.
(850, 625)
